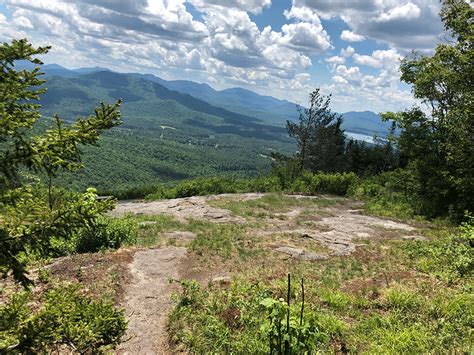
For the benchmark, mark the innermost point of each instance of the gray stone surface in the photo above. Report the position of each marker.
(300, 254)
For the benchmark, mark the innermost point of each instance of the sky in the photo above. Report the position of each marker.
(283, 48)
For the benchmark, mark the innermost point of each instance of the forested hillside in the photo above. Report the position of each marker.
(238, 100)
(165, 135)
(168, 135)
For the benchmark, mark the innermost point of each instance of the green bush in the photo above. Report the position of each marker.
(450, 258)
(106, 233)
(65, 319)
(337, 184)
(391, 194)
(264, 184)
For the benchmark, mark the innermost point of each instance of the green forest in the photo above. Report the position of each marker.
(72, 148)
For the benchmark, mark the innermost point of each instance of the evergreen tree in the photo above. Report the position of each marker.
(33, 215)
(319, 135)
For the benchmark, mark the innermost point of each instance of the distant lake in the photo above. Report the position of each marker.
(364, 137)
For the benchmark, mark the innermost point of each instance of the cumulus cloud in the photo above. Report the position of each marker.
(413, 24)
(379, 58)
(353, 89)
(347, 52)
(408, 11)
(254, 6)
(350, 36)
(302, 14)
(335, 59)
(350, 74)
(305, 36)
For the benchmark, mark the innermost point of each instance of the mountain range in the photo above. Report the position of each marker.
(175, 129)
(266, 108)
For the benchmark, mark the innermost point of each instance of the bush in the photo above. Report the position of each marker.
(66, 318)
(450, 258)
(206, 186)
(391, 194)
(264, 184)
(106, 233)
(337, 184)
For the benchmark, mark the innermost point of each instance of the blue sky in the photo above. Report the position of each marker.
(283, 48)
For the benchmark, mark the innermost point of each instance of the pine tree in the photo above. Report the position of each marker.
(319, 135)
(32, 213)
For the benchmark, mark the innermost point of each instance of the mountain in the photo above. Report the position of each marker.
(266, 108)
(166, 135)
(241, 101)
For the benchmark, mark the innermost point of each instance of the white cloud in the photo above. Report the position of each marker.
(302, 14)
(350, 74)
(408, 11)
(335, 60)
(379, 59)
(339, 80)
(305, 36)
(254, 6)
(347, 52)
(350, 36)
(412, 25)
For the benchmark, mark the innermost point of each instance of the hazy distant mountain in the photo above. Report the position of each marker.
(58, 70)
(246, 102)
(267, 108)
(238, 100)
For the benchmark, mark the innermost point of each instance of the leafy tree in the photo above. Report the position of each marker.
(319, 135)
(439, 145)
(32, 216)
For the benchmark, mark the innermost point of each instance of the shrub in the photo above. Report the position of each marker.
(264, 184)
(450, 258)
(391, 194)
(337, 184)
(245, 318)
(66, 318)
(106, 233)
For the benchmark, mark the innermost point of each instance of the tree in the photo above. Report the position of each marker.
(319, 135)
(366, 160)
(33, 215)
(439, 145)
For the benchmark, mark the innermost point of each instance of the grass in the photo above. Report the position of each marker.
(382, 299)
(272, 205)
(151, 228)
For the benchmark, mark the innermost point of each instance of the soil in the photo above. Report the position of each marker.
(148, 299)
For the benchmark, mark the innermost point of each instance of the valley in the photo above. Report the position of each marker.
(169, 135)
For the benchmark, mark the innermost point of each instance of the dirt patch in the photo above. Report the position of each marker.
(148, 299)
(341, 228)
(98, 273)
(300, 254)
